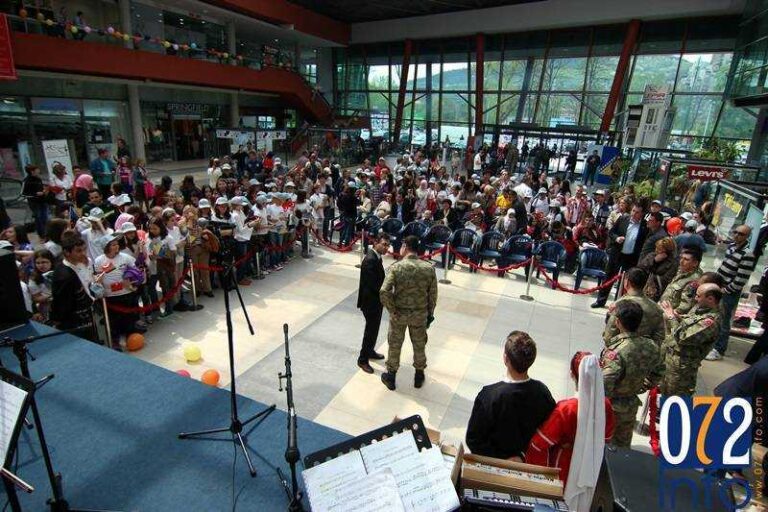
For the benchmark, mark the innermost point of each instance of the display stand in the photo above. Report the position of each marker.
(11, 421)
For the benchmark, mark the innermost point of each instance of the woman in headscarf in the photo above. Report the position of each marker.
(573, 438)
(423, 195)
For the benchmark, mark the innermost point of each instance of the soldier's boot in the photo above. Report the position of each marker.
(418, 380)
(389, 380)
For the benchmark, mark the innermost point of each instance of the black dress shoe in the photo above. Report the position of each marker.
(389, 380)
(363, 365)
(418, 380)
(597, 304)
(208, 294)
(376, 356)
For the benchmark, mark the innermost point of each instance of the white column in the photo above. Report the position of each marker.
(234, 100)
(135, 117)
(126, 25)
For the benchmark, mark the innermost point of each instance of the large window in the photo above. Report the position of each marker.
(555, 78)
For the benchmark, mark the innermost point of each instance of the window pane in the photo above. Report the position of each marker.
(454, 108)
(420, 107)
(557, 109)
(528, 108)
(419, 73)
(379, 103)
(490, 102)
(594, 108)
(396, 74)
(455, 133)
(564, 74)
(378, 77)
(657, 70)
(704, 72)
(696, 115)
(455, 76)
(508, 108)
(436, 76)
(434, 115)
(491, 75)
(513, 75)
(736, 123)
(600, 72)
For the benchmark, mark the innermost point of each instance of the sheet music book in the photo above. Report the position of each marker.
(421, 480)
(11, 406)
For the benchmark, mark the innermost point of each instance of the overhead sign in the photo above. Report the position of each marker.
(707, 172)
(654, 95)
(7, 66)
(272, 135)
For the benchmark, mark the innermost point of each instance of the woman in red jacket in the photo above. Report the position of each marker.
(573, 438)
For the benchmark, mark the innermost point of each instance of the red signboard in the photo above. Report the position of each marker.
(707, 172)
(7, 67)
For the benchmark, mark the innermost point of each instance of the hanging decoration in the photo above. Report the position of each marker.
(274, 57)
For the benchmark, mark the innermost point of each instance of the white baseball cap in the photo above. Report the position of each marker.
(203, 203)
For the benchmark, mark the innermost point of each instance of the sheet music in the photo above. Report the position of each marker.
(389, 451)
(329, 476)
(425, 483)
(376, 492)
(11, 402)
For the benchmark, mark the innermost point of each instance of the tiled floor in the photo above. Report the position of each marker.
(317, 299)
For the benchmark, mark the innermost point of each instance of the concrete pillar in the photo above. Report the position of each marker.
(135, 116)
(126, 22)
(234, 100)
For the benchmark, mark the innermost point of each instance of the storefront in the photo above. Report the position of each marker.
(180, 131)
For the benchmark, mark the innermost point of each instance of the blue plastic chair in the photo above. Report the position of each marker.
(516, 249)
(394, 228)
(490, 248)
(463, 241)
(592, 263)
(552, 256)
(372, 226)
(436, 238)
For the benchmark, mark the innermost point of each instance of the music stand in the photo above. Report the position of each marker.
(57, 502)
(18, 405)
(228, 282)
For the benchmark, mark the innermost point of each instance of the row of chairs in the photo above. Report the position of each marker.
(491, 245)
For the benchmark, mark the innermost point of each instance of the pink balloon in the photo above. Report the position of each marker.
(87, 29)
(184, 373)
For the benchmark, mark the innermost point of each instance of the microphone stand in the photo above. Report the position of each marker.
(228, 282)
(292, 455)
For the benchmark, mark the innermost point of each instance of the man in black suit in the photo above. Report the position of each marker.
(625, 241)
(371, 279)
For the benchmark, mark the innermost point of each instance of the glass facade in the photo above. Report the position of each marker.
(555, 78)
(750, 67)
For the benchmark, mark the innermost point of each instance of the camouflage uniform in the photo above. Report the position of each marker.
(630, 363)
(691, 338)
(652, 325)
(681, 291)
(409, 293)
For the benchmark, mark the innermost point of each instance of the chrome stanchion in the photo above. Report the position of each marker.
(362, 250)
(620, 287)
(259, 274)
(106, 322)
(194, 286)
(445, 279)
(527, 295)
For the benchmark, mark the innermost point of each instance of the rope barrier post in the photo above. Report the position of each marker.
(447, 250)
(362, 250)
(106, 322)
(527, 295)
(259, 274)
(194, 286)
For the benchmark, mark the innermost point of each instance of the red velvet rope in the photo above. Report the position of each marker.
(653, 396)
(585, 291)
(155, 305)
(337, 248)
(474, 265)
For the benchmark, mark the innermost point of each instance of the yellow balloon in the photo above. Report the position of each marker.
(73, 29)
(126, 37)
(166, 44)
(192, 353)
(49, 22)
(225, 55)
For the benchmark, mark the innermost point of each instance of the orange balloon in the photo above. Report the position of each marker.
(210, 377)
(23, 13)
(135, 342)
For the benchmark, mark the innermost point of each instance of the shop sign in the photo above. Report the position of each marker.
(57, 152)
(272, 135)
(707, 172)
(186, 108)
(7, 66)
(654, 95)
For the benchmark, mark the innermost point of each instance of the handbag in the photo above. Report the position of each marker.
(149, 189)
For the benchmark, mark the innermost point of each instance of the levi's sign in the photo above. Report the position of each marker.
(707, 173)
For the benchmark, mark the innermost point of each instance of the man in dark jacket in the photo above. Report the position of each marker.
(625, 241)
(521, 213)
(368, 300)
(656, 232)
(72, 302)
(347, 204)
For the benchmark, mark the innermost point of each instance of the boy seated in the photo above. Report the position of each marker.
(506, 414)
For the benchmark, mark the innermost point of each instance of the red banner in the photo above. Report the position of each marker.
(707, 172)
(7, 67)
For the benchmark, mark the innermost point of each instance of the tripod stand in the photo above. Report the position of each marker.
(292, 455)
(228, 282)
(57, 502)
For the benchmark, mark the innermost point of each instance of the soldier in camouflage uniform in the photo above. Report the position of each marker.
(691, 338)
(681, 291)
(630, 363)
(652, 324)
(409, 293)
